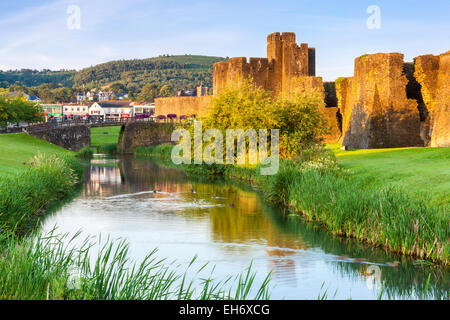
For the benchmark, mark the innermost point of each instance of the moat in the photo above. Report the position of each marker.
(231, 226)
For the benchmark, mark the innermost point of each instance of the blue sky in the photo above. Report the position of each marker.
(34, 34)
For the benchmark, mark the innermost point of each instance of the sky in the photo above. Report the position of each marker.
(50, 34)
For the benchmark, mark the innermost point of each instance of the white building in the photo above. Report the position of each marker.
(76, 110)
(140, 108)
(105, 95)
(111, 109)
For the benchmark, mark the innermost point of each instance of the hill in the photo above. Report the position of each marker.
(184, 71)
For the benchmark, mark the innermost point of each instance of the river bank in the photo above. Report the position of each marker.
(347, 204)
(34, 175)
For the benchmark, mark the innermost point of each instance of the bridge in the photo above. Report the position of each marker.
(74, 135)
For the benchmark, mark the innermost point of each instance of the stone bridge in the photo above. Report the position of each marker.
(75, 135)
(144, 134)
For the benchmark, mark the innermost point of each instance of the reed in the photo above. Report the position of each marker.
(24, 196)
(108, 148)
(53, 267)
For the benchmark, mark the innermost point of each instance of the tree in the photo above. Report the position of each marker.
(297, 116)
(18, 109)
(117, 87)
(149, 93)
(166, 91)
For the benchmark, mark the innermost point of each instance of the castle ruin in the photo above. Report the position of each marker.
(285, 62)
(387, 103)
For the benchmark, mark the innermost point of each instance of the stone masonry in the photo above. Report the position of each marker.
(285, 61)
(375, 109)
(433, 74)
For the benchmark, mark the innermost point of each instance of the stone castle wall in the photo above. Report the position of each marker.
(182, 105)
(433, 75)
(375, 109)
(285, 61)
(387, 103)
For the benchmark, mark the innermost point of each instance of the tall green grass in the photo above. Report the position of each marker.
(109, 148)
(52, 267)
(163, 151)
(352, 207)
(85, 153)
(26, 194)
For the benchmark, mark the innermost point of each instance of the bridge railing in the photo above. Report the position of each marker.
(91, 123)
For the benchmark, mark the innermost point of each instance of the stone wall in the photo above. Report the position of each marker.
(182, 105)
(314, 84)
(433, 74)
(73, 138)
(375, 109)
(143, 134)
(285, 60)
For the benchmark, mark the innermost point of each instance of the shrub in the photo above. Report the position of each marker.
(85, 153)
(298, 116)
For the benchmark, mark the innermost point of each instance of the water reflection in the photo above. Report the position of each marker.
(230, 225)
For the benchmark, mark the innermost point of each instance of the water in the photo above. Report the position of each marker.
(230, 226)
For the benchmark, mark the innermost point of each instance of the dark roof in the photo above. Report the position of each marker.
(114, 104)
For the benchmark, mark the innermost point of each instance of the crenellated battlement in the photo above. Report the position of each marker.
(285, 61)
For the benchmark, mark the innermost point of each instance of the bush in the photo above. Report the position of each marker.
(109, 148)
(85, 153)
(297, 116)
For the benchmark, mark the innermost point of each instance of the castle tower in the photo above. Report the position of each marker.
(288, 59)
(285, 61)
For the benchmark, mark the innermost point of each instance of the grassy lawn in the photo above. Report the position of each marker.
(104, 135)
(17, 148)
(420, 171)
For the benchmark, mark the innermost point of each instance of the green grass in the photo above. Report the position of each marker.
(104, 136)
(17, 148)
(422, 172)
(25, 195)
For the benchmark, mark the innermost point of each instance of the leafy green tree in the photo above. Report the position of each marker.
(117, 87)
(298, 117)
(18, 109)
(149, 93)
(166, 91)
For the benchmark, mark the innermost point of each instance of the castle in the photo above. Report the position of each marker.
(285, 61)
(387, 103)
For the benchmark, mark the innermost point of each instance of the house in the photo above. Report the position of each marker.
(52, 111)
(14, 95)
(81, 97)
(91, 96)
(121, 96)
(201, 90)
(105, 95)
(143, 108)
(111, 109)
(75, 110)
(34, 99)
